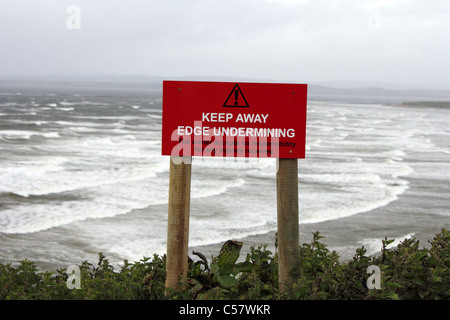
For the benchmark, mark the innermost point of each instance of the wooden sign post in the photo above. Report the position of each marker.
(178, 220)
(287, 221)
(224, 119)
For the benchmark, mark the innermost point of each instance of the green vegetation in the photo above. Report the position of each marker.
(407, 272)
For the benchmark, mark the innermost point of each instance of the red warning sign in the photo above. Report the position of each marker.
(224, 119)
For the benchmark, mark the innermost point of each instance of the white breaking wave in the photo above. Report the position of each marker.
(24, 134)
(209, 188)
(127, 195)
(373, 246)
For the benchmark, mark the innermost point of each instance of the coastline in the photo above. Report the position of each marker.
(424, 104)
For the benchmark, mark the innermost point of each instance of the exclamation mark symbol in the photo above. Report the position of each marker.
(239, 99)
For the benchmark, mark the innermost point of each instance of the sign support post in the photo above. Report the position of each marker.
(178, 220)
(250, 120)
(287, 221)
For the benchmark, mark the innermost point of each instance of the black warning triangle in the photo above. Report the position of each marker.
(236, 98)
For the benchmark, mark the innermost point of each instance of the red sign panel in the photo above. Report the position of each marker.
(227, 119)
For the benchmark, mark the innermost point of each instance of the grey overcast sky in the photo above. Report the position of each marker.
(394, 41)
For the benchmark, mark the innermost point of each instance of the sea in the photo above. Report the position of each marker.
(81, 172)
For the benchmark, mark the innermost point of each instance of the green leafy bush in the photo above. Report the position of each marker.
(406, 272)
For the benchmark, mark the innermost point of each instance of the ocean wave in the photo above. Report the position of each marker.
(38, 181)
(204, 189)
(344, 199)
(50, 214)
(24, 134)
(374, 245)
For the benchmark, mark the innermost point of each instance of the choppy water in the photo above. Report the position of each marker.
(80, 174)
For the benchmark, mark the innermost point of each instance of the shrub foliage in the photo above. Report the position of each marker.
(406, 272)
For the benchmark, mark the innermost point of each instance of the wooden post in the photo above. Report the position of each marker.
(178, 220)
(287, 220)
